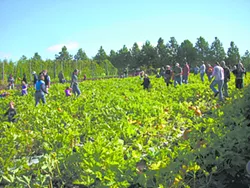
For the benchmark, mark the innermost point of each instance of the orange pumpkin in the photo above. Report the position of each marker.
(198, 112)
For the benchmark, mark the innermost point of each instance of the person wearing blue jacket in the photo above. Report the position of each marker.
(40, 90)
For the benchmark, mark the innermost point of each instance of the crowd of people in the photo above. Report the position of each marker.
(41, 83)
(218, 75)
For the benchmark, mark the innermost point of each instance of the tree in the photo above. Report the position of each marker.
(21, 67)
(233, 55)
(36, 57)
(172, 50)
(162, 55)
(35, 63)
(64, 58)
(101, 55)
(246, 60)
(217, 52)
(135, 56)
(108, 67)
(148, 55)
(123, 58)
(64, 55)
(186, 53)
(202, 50)
(112, 57)
(81, 55)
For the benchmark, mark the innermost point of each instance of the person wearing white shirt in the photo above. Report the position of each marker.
(218, 74)
(202, 71)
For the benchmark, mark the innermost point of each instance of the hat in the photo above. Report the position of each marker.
(34, 72)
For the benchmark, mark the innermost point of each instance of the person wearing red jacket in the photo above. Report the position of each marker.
(186, 71)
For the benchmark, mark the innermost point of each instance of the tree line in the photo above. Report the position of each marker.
(147, 57)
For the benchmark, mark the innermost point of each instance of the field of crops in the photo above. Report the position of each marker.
(115, 134)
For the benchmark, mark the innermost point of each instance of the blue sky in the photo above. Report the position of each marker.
(44, 26)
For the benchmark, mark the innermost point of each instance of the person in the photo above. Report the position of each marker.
(226, 78)
(177, 74)
(46, 80)
(40, 90)
(11, 112)
(202, 71)
(84, 77)
(218, 74)
(196, 70)
(209, 72)
(4, 94)
(186, 71)
(74, 83)
(11, 81)
(239, 72)
(24, 78)
(68, 91)
(35, 78)
(142, 75)
(61, 77)
(168, 75)
(24, 88)
(146, 82)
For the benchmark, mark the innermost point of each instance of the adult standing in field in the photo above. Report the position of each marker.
(202, 71)
(46, 80)
(61, 77)
(177, 74)
(196, 70)
(226, 77)
(209, 72)
(186, 71)
(218, 74)
(40, 90)
(239, 73)
(168, 75)
(35, 78)
(74, 83)
(11, 81)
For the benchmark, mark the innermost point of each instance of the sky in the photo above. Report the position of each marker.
(44, 26)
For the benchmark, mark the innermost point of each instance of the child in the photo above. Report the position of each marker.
(146, 82)
(4, 94)
(68, 91)
(11, 112)
(141, 75)
(168, 75)
(11, 82)
(24, 88)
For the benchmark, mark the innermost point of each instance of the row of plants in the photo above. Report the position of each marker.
(115, 134)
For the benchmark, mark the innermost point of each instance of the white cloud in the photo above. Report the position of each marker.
(58, 47)
(4, 55)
